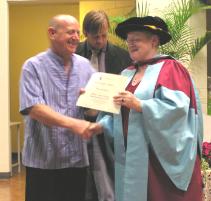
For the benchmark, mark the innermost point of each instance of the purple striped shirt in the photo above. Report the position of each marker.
(43, 81)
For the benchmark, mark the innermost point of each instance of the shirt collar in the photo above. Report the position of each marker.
(89, 48)
(56, 56)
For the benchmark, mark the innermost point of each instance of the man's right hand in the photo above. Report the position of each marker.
(86, 129)
(81, 127)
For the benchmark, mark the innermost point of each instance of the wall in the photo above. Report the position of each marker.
(28, 36)
(44, 1)
(4, 85)
(155, 7)
(112, 8)
(207, 128)
(199, 64)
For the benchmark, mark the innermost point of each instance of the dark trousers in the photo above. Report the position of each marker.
(55, 185)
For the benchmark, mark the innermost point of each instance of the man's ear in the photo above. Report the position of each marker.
(51, 32)
(85, 33)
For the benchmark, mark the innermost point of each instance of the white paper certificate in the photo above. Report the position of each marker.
(100, 91)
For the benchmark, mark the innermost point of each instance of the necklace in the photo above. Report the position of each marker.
(135, 81)
(138, 75)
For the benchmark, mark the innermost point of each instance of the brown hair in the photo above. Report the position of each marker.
(94, 21)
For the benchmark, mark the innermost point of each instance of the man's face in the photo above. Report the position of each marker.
(99, 40)
(66, 38)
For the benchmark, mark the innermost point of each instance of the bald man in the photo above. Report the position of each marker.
(54, 152)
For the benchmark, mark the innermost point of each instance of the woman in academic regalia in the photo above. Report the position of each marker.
(158, 133)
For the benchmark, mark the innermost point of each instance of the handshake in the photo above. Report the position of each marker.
(85, 128)
(92, 129)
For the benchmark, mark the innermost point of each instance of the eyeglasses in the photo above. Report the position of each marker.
(133, 41)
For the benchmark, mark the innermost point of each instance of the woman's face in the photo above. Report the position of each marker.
(141, 45)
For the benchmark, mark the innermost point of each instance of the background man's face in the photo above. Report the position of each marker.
(98, 40)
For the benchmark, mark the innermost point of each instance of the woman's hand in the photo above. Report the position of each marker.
(128, 100)
(95, 128)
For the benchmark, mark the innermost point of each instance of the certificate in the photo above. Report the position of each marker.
(100, 90)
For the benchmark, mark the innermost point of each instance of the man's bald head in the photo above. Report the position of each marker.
(59, 21)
